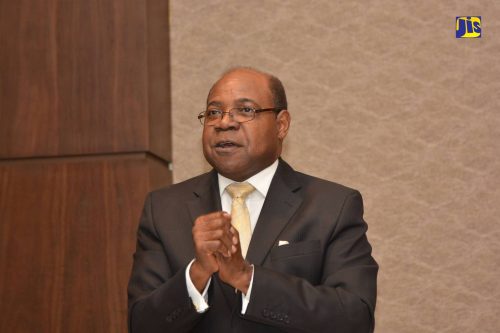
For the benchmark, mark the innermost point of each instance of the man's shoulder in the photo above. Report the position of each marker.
(184, 189)
(313, 183)
(325, 195)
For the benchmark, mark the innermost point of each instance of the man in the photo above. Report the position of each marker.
(291, 257)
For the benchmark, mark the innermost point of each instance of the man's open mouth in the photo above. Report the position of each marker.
(226, 144)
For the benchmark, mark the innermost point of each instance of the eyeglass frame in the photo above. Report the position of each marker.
(202, 115)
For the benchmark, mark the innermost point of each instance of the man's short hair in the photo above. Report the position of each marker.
(275, 86)
(278, 92)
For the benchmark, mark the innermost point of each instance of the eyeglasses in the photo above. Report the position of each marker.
(211, 116)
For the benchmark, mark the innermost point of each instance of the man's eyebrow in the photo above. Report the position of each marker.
(215, 103)
(239, 101)
(246, 100)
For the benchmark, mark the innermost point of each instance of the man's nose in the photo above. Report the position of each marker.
(227, 121)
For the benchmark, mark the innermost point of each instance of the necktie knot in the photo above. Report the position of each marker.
(240, 190)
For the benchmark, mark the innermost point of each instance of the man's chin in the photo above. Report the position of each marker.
(230, 169)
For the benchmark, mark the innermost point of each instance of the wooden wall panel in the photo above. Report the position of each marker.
(159, 79)
(67, 235)
(83, 77)
(84, 135)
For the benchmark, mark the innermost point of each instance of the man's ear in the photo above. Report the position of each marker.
(283, 122)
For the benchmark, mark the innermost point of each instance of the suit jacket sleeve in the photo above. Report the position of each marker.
(158, 298)
(344, 298)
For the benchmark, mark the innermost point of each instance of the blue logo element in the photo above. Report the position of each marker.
(468, 27)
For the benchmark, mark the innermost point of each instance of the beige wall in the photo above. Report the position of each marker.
(386, 100)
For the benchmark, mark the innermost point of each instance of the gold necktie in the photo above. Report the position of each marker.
(240, 218)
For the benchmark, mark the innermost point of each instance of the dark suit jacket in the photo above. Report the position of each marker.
(323, 281)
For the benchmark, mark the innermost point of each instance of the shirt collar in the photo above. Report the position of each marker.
(261, 181)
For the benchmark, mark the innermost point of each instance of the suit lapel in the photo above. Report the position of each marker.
(206, 196)
(281, 202)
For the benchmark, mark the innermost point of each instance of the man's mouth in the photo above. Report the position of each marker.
(226, 144)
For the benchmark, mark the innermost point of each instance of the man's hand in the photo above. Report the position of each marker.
(211, 237)
(234, 270)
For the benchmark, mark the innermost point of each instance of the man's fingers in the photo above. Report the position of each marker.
(224, 237)
(213, 221)
(235, 239)
(211, 227)
(211, 234)
(218, 234)
(235, 235)
(213, 246)
(227, 242)
(220, 215)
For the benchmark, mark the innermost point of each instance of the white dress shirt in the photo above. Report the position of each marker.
(254, 201)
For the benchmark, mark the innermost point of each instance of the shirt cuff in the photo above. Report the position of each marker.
(200, 301)
(245, 299)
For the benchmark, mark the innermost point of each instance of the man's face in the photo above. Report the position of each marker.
(238, 151)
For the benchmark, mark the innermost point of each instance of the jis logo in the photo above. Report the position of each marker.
(468, 27)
